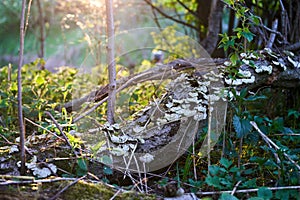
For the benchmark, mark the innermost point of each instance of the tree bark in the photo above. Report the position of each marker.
(214, 26)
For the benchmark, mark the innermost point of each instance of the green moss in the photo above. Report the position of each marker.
(83, 190)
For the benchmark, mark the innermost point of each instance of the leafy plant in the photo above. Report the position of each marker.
(237, 43)
(42, 90)
(226, 176)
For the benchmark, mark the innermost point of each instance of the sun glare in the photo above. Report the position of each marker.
(97, 3)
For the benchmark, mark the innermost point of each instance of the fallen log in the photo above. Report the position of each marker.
(164, 131)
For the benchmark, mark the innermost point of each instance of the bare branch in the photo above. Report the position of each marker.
(65, 188)
(20, 109)
(61, 131)
(187, 8)
(168, 16)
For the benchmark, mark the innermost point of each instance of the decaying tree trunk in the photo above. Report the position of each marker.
(160, 130)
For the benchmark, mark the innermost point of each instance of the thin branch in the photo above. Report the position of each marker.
(90, 110)
(20, 109)
(266, 138)
(187, 8)
(61, 131)
(35, 124)
(249, 190)
(6, 140)
(28, 15)
(235, 187)
(29, 180)
(115, 195)
(168, 16)
(65, 188)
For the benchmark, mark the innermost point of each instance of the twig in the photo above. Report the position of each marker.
(4, 177)
(188, 9)
(271, 142)
(168, 16)
(115, 195)
(6, 140)
(235, 187)
(42, 128)
(9, 182)
(27, 16)
(249, 190)
(287, 134)
(194, 160)
(65, 188)
(209, 132)
(61, 131)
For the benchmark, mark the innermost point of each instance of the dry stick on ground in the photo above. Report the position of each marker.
(115, 195)
(65, 188)
(268, 140)
(35, 124)
(235, 187)
(250, 190)
(30, 180)
(20, 109)
(6, 140)
(61, 132)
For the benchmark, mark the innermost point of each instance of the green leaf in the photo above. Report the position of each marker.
(234, 58)
(248, 35)
(82, 168)
(107, 170)
(241, 126)
(82, 164)
(213, 181)
(249, 184)
(256, 198)
(264, 193)
(243, 92)
(227, 196)
(213, 169)
(255, 19)
(225, 162)
(254, 98)
(106, 160)
(39, 80)
(283, 194)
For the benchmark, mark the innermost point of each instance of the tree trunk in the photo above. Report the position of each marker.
(20, 111)
(42, 30)
(214, 26)
(110, 61)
